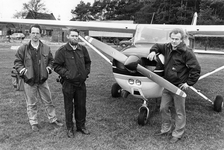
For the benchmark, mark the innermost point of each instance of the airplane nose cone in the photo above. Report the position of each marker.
(132, 62)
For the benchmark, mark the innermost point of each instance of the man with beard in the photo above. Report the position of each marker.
(182, 69)
(72, 63)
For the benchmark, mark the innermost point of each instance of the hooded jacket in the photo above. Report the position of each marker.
(181, 65)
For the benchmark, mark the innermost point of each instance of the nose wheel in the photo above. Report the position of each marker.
(143, 114)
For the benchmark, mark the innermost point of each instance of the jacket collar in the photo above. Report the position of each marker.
(180, 48)
(40, 44)
(68, 47)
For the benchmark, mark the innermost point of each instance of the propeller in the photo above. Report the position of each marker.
(130, 60)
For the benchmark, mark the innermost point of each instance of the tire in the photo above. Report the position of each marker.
(142, 117)
(218, 103)
(116, 90)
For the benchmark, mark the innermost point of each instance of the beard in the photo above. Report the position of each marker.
(73, 43)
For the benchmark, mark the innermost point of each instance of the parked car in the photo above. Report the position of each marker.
(17, 36)
(125, 43)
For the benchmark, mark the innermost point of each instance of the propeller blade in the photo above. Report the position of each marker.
(122, 58)
(107, 49)
(161, 81)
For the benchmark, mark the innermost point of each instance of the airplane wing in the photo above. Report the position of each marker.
(193, 30)
(205, 30)
(80, 25)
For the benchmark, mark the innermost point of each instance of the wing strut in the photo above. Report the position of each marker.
(212, 72)
(203, 76)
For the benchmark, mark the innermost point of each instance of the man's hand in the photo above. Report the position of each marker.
(49, 70)
(184, 86)
(151, 56)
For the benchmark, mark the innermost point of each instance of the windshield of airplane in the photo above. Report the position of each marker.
(148, 34)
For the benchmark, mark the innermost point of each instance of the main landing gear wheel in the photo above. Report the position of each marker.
(143, 116)
(116, 90)
(218, 103)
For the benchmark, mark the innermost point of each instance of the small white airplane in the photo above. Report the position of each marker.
(133, 72)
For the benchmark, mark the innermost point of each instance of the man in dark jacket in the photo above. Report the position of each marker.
(182, 69)
(34, 62)
(72, 63)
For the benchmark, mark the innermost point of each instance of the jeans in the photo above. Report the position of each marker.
(74, 102)
(31, 93)
(168, 99)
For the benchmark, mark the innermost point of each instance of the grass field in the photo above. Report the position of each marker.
(112, 121)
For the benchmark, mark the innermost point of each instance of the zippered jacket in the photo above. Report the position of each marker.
(24, 60)
(181, 65)
(72, 65)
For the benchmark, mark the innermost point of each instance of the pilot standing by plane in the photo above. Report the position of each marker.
(182, 69)
(72, 63)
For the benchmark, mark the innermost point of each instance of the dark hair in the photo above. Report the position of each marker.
(178, 30)
(35, 26)
(69, 31)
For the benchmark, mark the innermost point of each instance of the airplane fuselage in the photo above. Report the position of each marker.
(134, 82)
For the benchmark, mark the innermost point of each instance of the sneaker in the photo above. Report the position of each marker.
(57, 123)
(35, 127)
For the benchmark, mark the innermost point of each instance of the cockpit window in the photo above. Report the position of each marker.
(151, 34)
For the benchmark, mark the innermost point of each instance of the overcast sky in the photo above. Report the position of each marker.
(60, 8)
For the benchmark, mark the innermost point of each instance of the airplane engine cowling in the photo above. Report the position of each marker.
(132, 62)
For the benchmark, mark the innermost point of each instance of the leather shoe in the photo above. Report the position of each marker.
(174, 139)
(159, 133)
(35, 127)
(83, 131)
(70, 133)
(57, 123)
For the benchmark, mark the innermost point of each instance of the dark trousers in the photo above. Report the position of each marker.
(74, 101)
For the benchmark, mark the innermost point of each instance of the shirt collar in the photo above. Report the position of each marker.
(73, 47)
(40, 44)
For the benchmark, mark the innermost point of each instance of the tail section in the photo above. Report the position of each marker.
(194, 20)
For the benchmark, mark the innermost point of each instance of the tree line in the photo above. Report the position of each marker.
(152, 11)
(210, 12)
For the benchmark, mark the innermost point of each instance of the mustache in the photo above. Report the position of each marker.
(74, 43)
